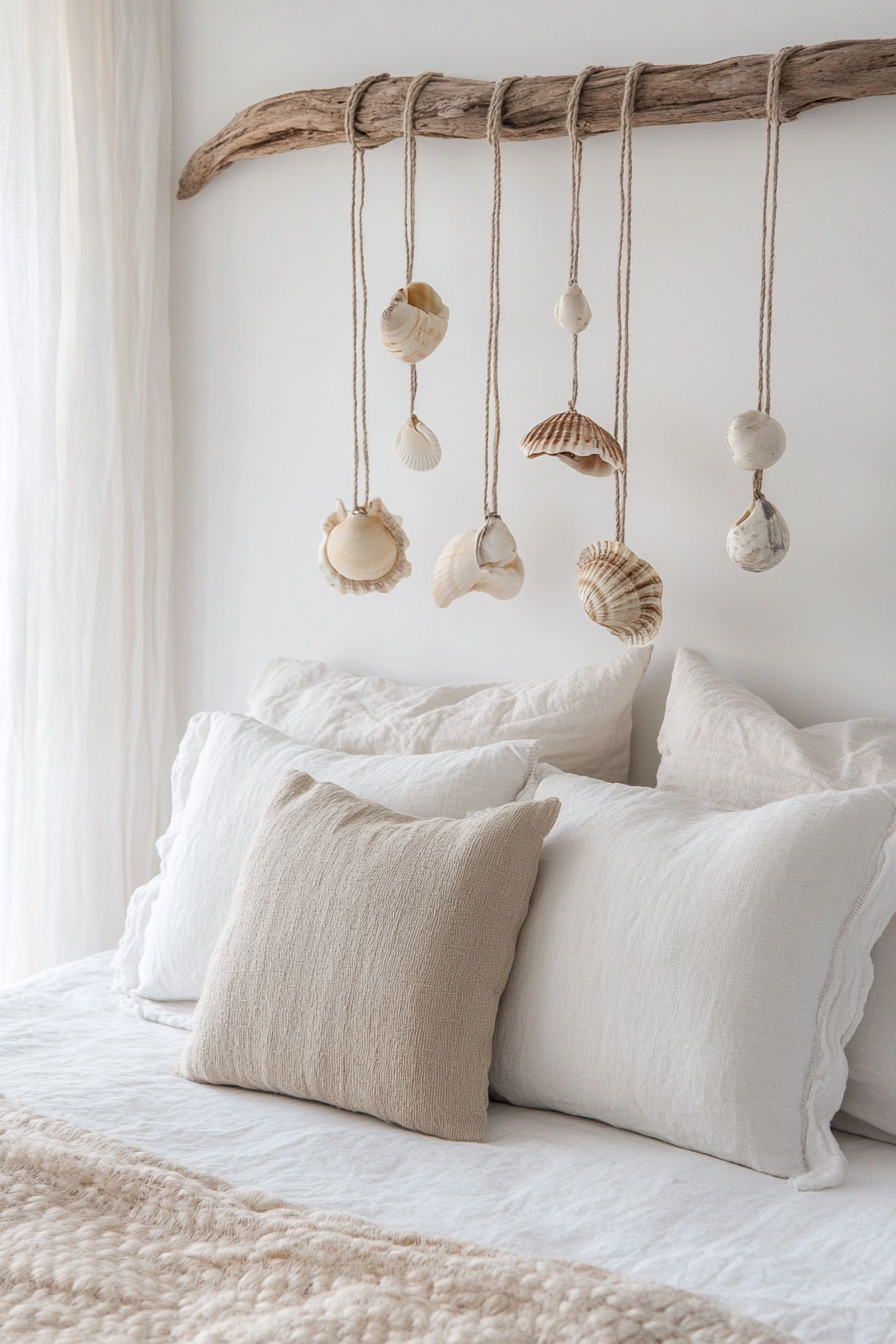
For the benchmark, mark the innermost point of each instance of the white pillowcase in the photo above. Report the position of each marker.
(692, 973)
(724, 745)
(176, 921)
(582, 721)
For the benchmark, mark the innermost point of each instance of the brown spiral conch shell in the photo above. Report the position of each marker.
(414, 323)
(577, 440)
(620, 591)
(759, 539)
(483, 560)
(363, 551)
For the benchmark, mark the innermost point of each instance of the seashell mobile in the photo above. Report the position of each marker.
(617, 588)
(363, 551)
(485, 559)
(416, 319)
(760, 538)
(572, 437)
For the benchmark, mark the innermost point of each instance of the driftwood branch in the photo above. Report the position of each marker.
(535, 107)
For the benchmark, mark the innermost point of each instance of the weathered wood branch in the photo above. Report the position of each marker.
(535, 107)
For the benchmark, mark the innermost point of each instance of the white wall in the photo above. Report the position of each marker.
(260, 309)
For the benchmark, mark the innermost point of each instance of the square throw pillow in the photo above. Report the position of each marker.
(583, 721)
(693, 974)
(231, 782)
(365, 954)
(723, 744)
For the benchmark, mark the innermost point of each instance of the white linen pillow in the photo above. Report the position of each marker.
(723, 744)
(583, 721)
(238, 770)
(692, 974)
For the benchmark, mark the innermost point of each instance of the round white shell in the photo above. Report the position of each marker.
(756, 440)
(458, 571)
(620, 591)
(759, 539)
(578, 441)
(572, 310)
(414, 323)
(363, 551)
(416, 446)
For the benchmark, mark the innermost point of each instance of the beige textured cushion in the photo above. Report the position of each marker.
(365, 954)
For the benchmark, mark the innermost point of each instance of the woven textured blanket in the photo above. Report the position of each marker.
(102, 1242)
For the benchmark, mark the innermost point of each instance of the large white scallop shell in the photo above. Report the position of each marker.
(759, 539)
(416, 446)
(578, 441)
(363, 551)
(572, 310)
(620, 591)
(464, 565)
(414, 323)
(756, 440)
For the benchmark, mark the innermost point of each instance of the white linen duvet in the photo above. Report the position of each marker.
(820, 1265)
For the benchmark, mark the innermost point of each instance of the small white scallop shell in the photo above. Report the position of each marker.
(620, 591)
(572, 310)
(414, 323)
(578, 441)
(759, 539)
(463, 566)
(416, 446)
(756, 440)
(363, 551)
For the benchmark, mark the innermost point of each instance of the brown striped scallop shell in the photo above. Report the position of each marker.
(577, 440)
(620, 591)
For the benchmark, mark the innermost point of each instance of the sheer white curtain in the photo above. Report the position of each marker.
(84, 468)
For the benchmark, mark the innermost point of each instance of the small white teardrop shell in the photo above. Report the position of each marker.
(363, 551)
(759, 539)
(416, 446)
(462, 566)
(494, 543)
(414, 323)
(578, 441)
(620, 591)
(756, 440)
(572, 310)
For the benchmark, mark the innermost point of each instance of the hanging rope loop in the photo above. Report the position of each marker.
(576, 142)
(773, 119)
(492, 397)
(415, 88)
(624, 288)
(359, 277)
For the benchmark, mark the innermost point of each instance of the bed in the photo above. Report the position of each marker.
(819, 1265)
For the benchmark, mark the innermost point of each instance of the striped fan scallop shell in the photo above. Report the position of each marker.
(620, 591)
(577, 440)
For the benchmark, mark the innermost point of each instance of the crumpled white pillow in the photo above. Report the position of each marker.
(692, 973)
(721, 743)
(228, 769)
(582, 721)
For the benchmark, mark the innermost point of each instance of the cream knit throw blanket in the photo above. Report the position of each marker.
(100, 1241)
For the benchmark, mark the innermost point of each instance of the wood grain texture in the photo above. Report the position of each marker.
(535, 107)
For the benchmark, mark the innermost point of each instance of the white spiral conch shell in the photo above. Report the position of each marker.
(759, 539)
(414, 323)
(578, 441)
(363, 551)
(416, 446)
(572, 310)
(483, 560)
(620, 591)
(756, 440)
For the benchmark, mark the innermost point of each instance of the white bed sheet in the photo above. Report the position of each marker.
(820, 1265)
